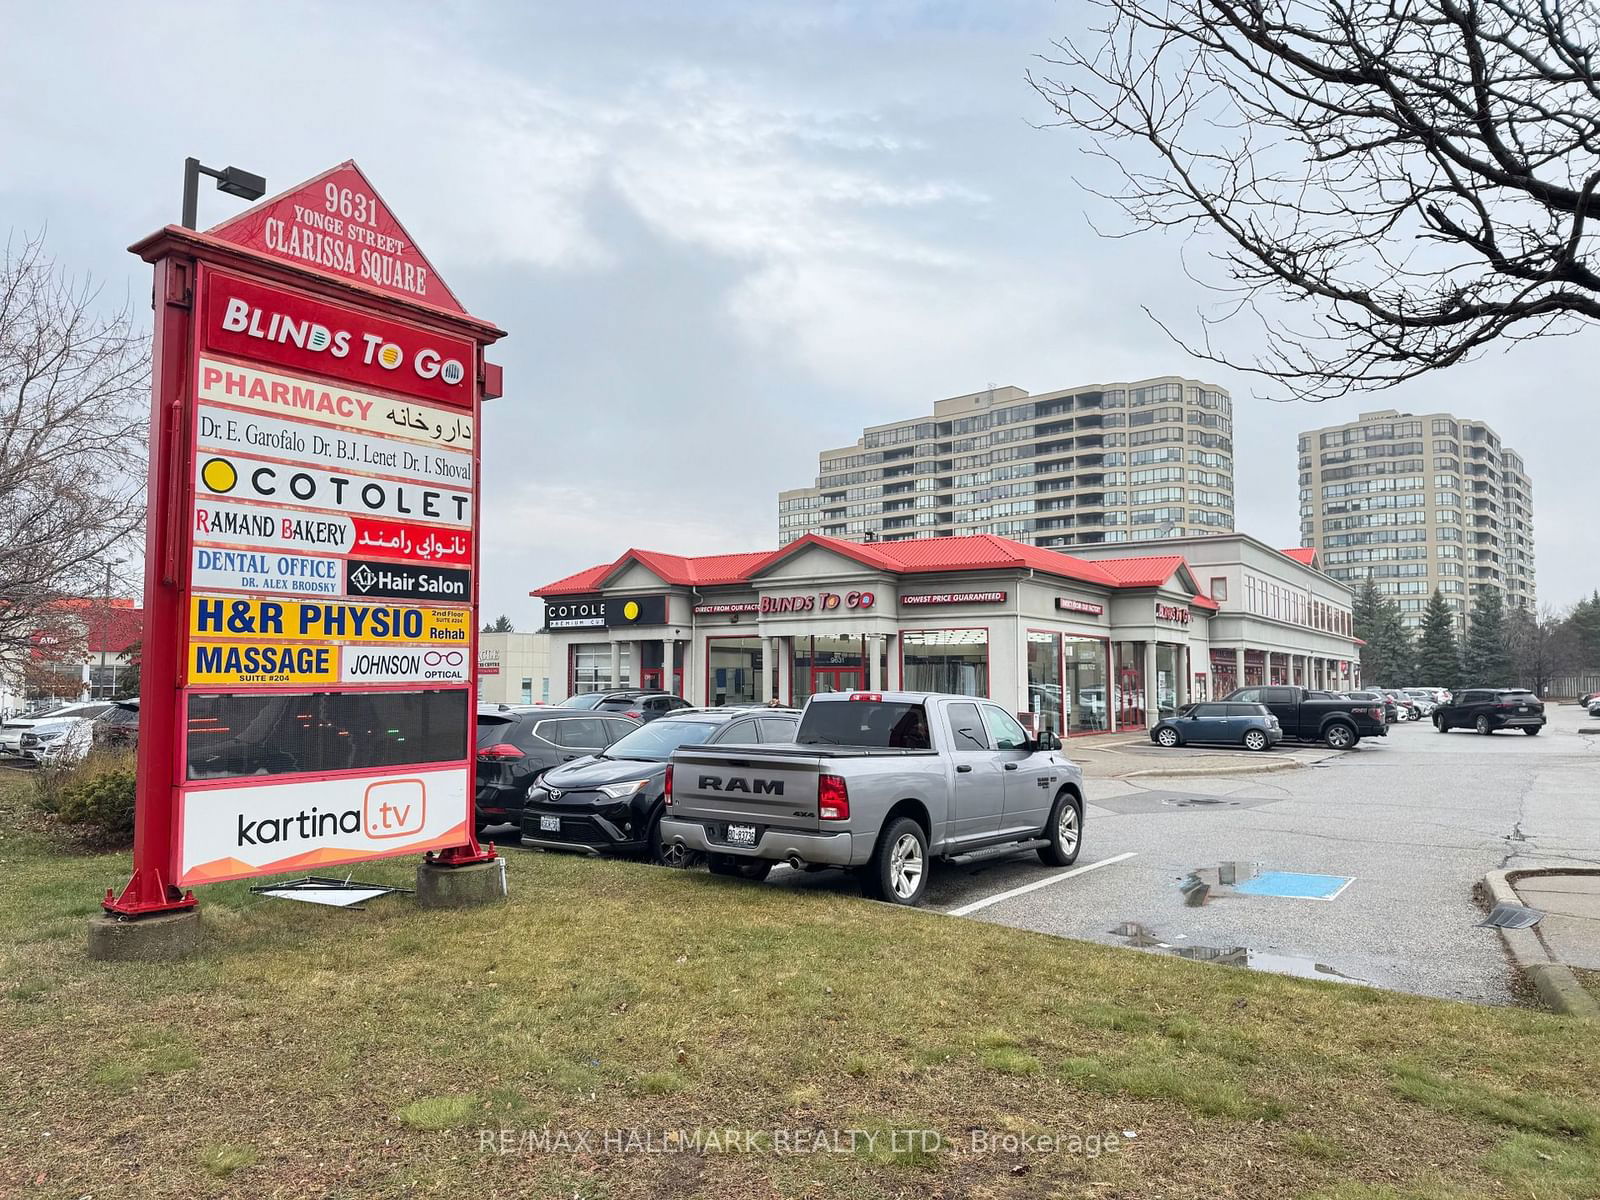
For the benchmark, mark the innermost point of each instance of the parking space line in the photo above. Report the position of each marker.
(976, 905)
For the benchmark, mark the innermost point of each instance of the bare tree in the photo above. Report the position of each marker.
(74, 401)
(1397, 183)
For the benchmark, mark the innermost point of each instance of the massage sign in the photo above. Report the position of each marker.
(314, 535)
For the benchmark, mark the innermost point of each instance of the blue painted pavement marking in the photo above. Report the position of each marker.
(1295, 886)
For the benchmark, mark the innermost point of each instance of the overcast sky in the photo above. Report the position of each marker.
(722, 235)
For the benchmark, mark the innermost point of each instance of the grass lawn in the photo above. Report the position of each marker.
(379, 1053)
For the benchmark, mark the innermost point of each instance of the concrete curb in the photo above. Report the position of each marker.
(1282, 764)
(1554, 981)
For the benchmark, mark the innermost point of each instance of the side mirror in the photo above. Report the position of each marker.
(1047, 741)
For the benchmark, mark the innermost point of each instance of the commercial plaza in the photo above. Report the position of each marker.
(1099, 640)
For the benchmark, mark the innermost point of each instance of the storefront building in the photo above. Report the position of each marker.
(1074, 646)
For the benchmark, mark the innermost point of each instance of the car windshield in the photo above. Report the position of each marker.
(656, 742)
(583, 700)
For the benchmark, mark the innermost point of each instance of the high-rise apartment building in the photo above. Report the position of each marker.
(1124, 462)
(1417, 503)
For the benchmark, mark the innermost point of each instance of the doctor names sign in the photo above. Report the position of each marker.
(311, 568)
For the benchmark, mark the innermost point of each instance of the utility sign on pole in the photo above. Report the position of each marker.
(311, 588)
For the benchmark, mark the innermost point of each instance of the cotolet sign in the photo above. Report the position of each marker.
(598, 612)
(1174, 614)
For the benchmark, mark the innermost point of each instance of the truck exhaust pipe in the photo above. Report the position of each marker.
(795, 861)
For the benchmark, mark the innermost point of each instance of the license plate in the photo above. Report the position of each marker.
(741, 835)
(1522, 708)
(549, 824)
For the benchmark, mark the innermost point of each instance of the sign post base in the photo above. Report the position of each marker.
(159, 937)
(440, 885)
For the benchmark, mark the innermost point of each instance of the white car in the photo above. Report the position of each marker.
(64, 741)
(11, 732)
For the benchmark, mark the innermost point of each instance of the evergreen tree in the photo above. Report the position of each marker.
(1585, 624)
(1486, 657)
(1438, 658)
(1376, 620)
(501, 624)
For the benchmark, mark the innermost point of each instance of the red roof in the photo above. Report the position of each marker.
(917, 556)
(1303, 554)
(1142, 572)
(1200, 601)
(979, 552)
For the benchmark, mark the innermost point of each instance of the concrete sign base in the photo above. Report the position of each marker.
(461, 887)
(164, 937)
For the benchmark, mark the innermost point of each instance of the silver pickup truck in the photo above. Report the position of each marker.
(879, 783)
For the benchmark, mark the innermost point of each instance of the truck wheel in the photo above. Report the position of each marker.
(1254, 739)
(1065, 832)
(753, 869)
(1482, 725)
(1438, 723)
(898, 872)
(1532, 730)
(1339, 736)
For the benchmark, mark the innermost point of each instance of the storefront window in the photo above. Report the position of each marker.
(1255, 668)
(1045, 699)
(735, 674)
(1129, 695)
(591, 667)
(1223, 673)
(1086, 684)
(1169, 661)
(946, 660)
(828, 664)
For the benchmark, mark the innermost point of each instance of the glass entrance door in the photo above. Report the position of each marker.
(836, 679)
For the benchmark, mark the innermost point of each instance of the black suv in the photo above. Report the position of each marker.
(1488, 709)
(640, 704)
(515, 747)
(612, 803)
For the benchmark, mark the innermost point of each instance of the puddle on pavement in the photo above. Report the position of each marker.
(1298, 965)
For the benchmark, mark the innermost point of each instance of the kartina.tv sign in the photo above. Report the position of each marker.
(311, 593)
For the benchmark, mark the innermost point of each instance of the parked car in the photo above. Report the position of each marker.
(641, 704)
(118, 727)
(1217, 723)
(1424, 700)
(1404, 703)
(1588, 699)
(879, 783)
(1391, 712)
(612, 802)
(1338, 722)
(11, 732)
(516, 748)
(57, 742)
(1488, 709)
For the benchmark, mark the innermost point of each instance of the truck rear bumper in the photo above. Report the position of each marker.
(774, 845)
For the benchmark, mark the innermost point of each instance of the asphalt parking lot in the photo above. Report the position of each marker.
(1412, 822)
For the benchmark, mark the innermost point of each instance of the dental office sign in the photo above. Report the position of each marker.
(314, 534)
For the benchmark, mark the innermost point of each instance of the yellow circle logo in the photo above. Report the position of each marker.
(389, 356)
(630, 610)
(219, 475)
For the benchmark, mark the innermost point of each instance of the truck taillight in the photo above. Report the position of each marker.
(666, 786)
(1378, 714)
(500, 750)
(833, 798)
(874, 697)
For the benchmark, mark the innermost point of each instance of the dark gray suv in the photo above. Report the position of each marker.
(517, 746)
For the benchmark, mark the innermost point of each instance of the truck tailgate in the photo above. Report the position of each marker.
(755, 785)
